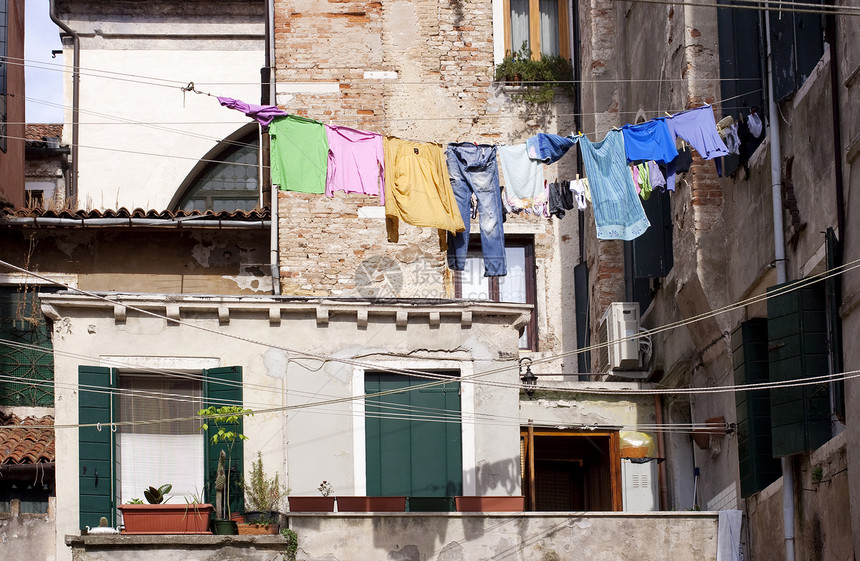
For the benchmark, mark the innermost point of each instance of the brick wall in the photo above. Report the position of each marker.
(419, 70)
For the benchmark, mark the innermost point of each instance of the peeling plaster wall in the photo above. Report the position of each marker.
(145, 260)
(28, 536)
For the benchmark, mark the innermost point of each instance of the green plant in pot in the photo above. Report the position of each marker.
(264, 496)
(538, 78)
(223, 422)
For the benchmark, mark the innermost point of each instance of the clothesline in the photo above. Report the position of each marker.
(426, 185)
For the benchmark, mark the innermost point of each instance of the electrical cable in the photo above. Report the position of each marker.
(843, 11)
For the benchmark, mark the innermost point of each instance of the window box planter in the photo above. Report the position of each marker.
(258, 529)
(490, 504)
(311, 504)
(371, 504)
(431, 504)
(166, 518)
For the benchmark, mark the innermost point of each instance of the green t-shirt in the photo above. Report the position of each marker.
(299, 154)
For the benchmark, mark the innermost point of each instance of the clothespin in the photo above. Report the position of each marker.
(667, 113)
(577, 177)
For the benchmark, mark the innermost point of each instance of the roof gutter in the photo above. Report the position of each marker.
(72, 189)
(156, 222)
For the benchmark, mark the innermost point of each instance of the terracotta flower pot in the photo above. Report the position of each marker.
(311, 504)
(489, 504)
(257, 529)
(371, 504)
(166, 518)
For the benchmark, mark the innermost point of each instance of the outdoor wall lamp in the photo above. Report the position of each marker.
(529, 379)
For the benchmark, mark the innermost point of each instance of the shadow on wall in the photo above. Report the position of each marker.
(495, 478)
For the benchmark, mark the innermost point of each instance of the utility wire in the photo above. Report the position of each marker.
(842, 11)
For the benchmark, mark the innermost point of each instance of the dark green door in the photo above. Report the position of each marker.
(414, 444)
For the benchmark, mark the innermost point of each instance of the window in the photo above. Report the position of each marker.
(26, 354)
(228, 180)
(540, 25)
(517, 286)
(650, 255)
(152, 454)
(107, 452)
(413, 438)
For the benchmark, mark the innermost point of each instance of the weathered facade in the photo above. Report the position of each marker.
(12, 105)
(723, 248)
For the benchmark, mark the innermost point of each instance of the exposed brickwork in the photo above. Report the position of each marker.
(438, 56)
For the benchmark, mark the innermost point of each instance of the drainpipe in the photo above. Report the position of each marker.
(72, 186)
(265, 146)
(781, 277)
(661, 453)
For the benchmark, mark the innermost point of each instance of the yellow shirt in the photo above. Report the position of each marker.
(418, 189)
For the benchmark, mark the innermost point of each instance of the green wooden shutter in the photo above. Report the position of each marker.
(96, 404)
(797, 341)
(758, 468)
(223, 386)
(410, 451)
(797, 44)
(834, 320)
(652, 251)
(580, 294)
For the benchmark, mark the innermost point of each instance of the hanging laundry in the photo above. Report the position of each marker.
(356, 162)
(618, 212)
(299, 155)
(263, 114)
(473, 170)
(560, 198)
(548, 148)
(524, 186)
(730, 136)
(579, 188)
(418, 189)
(649, 141)
(645, 181)
(754, 123)
(696, 126)
(655, 175)
(684, 160)
(634, 172)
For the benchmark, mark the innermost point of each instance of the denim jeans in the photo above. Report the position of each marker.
(473, 169)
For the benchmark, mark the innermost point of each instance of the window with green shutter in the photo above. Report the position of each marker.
(100, 470)
(414, 444)
(757, 466)
(797, 345)
(223, 386)
(26, 351)
(96, 405)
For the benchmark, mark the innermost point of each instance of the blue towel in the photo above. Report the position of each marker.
(618, 212)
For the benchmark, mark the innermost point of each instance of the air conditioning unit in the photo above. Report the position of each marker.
(620, 321)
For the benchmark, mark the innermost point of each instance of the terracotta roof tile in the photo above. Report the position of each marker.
(38, 131)
(236, 216)
(26, 444)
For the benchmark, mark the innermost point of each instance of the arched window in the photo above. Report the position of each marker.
(227, 178)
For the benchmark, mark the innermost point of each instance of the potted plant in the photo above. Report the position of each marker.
(488, 503)
(263, 499)
(537, 77)
(323, 503)
(224, 419)
(371, 504)
(159, 517)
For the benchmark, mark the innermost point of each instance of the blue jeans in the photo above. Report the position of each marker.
(473, 169)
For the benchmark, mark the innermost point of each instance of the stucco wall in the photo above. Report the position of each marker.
(309, 445)
(210, 261)
(455, 537)
(140, 133)
(28, 536)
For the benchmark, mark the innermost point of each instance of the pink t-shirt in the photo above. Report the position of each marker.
(356, 162)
